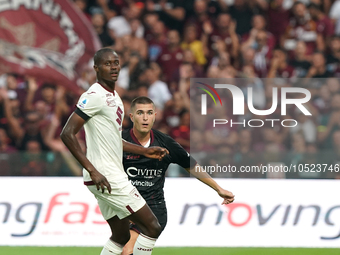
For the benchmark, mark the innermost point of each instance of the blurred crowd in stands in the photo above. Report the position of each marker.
(164, 43)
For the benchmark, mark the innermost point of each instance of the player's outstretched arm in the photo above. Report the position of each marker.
(204, 177)
(151, 152)
(68, 136)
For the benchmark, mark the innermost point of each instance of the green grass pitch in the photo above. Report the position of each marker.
(170, 251)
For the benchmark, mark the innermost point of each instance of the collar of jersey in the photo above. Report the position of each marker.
(107, 89)
(134, 138)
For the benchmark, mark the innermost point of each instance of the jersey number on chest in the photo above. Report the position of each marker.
(119, 114)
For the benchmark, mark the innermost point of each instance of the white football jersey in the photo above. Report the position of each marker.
(104, 112)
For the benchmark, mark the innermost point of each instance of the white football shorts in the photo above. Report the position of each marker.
(122, 202)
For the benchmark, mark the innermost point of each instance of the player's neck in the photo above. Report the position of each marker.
(110, 86)
(142, 138)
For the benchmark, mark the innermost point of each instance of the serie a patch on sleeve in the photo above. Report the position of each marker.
(83, 103)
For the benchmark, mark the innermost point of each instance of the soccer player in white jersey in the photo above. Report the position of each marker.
(100, 110)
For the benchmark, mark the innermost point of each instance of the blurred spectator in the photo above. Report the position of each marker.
(334, 12)
(300, 61)
(171, 56)
(181, 133)
(278, 18)
(31, 126)
(258, 40)
(242, 15)
(55, 144)
(99, 24)
(199, 17)
(225, 32)
(33, 161)
(333, 57)
(82, 6)
(149, 20)
(279, 66)
(190, 41)
(171, 12)
(259, 24)
(109, 8)
(157, 40)
(5, 146)
(158, 90)
(318, 68)
(171, 114)
(7, 154)
(300, 28)
(324, 26)
(138, 44)
(120, 25)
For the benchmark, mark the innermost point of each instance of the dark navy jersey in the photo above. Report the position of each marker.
(148, 175)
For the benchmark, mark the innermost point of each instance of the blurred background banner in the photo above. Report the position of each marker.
(49, 39)
(266, 213)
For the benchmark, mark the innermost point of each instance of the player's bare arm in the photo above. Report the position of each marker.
(68, 136)
(206, 178)
(150, 152)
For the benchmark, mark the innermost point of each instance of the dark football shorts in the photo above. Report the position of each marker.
(160, 212)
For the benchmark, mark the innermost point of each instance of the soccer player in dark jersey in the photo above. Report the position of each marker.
(148, 175)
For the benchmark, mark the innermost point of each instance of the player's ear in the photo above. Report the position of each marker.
(131, 116)
(95, 67)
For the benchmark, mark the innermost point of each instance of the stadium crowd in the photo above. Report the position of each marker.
(164, 43)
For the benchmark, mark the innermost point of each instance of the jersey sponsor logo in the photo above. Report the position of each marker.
(111, 102)
(109, 94)
(83, 103)
(142, 183)
(92, 92)
(133, 172)
(132, 156)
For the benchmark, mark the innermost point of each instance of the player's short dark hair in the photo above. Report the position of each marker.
(141, 100)
(99, 54)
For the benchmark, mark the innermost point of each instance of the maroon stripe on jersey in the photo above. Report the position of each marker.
(134, 138)
(88, 183)
(151, 134)
(130, 209)
(107, 89)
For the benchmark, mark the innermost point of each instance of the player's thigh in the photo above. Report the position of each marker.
(128, 248)
(146, 220)
(120, 229)
(161, 214)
